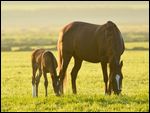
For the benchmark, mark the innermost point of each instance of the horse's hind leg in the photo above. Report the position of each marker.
(65, 62)
(45, 82)
(38, 80)
(105, 75)
(34, 70)
(74, 72)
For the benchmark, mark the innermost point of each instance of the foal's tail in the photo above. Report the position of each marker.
(60, 60)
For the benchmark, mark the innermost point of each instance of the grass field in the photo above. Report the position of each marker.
(16, 85)
(28, 25)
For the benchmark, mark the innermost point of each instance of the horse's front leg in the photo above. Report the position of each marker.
(105, 75)
(110, 86)
(45, 83)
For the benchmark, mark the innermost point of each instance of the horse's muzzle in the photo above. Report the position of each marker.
(117, 92)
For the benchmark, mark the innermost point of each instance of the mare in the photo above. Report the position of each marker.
(93, 43)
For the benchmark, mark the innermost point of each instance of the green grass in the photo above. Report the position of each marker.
(77, 103)
(16, 85)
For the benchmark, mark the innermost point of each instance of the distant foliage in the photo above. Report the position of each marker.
(136, 37)
(25, 40)
(5, 48)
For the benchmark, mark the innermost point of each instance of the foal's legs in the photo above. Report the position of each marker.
(38, 80)
(45, 82)
(65, 61)
(34, 70)
(105, 75)
(55, 83)
(74, 72)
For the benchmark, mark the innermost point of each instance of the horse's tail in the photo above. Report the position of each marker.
(60, 60)
(59, 48)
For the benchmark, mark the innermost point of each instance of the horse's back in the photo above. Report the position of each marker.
(49, 62)
(36, 56)
(79, 29)
(43, 59)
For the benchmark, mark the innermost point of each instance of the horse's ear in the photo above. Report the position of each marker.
(121, 64)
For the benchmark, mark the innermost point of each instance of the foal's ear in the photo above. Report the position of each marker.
(121, 64)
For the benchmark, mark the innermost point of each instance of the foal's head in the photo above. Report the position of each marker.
(117, 79)
(55, 81)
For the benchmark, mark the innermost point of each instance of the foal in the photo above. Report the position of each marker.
(45, 62)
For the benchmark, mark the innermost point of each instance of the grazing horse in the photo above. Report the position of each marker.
(92, 43)
(45, 62)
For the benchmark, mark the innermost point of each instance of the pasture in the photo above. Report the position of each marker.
(16, 90)
(29, 25)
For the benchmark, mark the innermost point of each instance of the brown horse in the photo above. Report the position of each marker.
(45, 62)
(92, 43)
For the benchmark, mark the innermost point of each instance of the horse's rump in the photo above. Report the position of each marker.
(48, 62)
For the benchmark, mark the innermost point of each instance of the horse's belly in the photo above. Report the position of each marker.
(90, 56)
(88, 52)
(93, 60)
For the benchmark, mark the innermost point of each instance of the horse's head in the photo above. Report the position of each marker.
(56, 85)
(117, 79)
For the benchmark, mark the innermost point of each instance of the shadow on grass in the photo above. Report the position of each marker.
(106, 100)
(75, 102)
